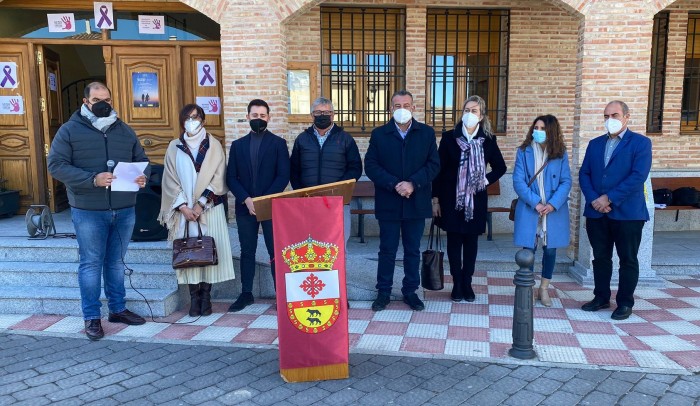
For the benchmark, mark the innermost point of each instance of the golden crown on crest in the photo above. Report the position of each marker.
(310, 255)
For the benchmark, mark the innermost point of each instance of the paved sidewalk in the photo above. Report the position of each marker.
(39, 370)
(663, 334)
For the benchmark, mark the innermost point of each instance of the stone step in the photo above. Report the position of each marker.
(65, 274)
(66, 301)
(33, 251)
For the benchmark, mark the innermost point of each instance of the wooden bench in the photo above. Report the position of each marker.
(366, 189)
(362, 189)
(493, 189)
(673, 184)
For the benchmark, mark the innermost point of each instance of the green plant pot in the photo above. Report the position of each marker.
(9, 203)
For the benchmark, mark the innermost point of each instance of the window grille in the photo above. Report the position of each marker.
(363, 62)
(467, 55)
(657, 74)
(690, 105)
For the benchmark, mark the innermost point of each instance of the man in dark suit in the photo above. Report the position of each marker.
(612, 177)
(402, 161)
(258, 165)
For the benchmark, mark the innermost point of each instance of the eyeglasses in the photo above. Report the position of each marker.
(195, 117)
(318, 113)
(95, 101)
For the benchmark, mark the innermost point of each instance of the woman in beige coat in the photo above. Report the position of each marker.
(194, 188)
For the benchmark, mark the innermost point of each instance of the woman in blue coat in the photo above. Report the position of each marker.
(542, 212)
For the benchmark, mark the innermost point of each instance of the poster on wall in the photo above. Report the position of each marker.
(210, 105)
(151, 24)
(104, 16)
(52, 81)
(206, 73)
(64, 22)
(145, 89)
(8, 76)
(11, 105)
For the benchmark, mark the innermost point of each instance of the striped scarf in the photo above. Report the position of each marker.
(471, 174)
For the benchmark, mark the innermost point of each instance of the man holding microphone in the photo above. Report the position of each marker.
(82, 156)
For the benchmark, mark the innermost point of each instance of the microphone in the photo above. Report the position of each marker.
(110, 168)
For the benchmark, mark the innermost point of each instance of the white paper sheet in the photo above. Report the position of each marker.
(126, 174)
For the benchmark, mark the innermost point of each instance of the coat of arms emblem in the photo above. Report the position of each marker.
(313, 294)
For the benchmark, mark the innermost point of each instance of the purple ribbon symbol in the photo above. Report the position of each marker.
(206, 69)
(8, 77)
(105, 17)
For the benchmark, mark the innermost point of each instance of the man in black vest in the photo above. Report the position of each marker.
(325, 153)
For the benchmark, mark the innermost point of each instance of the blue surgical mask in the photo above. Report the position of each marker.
(539, 136)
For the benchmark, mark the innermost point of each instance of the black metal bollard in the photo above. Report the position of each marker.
(524, 280)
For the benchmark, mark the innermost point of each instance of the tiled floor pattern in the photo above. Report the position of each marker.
(663, 333)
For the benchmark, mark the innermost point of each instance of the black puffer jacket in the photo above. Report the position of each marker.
(339, 159)
(79, 151)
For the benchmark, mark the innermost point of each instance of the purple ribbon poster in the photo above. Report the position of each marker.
(8, 75)
(206, 73)
(104, 16)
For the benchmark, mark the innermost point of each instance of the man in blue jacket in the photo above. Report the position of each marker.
(402, 161)
(82, 156)
(258, 165)
(612, 177)
(325, 153)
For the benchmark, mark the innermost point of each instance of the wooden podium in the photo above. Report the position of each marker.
(344, 188)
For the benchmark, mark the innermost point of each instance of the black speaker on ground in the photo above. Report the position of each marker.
(147, 227)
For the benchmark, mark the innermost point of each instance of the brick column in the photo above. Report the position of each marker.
(416, 23)
(614, 58)
(254, 66)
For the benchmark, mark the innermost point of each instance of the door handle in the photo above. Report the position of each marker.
(147, 142)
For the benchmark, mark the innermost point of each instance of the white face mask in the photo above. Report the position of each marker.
(192, 126)
(402, 116)
(470, 119)
(613, 125)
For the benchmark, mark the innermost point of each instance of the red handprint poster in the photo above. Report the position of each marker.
(61, 22)
(210, 105)
(11, 105)
(151, 24)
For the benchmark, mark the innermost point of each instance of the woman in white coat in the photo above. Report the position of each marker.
(542, 212)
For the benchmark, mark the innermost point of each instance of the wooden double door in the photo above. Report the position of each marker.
(168, 70)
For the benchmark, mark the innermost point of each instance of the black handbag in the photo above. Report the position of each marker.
(190, 252)
(432, 270)
(685, 196)
(663, 196)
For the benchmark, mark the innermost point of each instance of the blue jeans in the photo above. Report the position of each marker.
(411, 232)
(103, 237)
(248, 227)
(549, 257)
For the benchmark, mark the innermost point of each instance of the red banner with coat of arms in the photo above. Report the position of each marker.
(312, 316)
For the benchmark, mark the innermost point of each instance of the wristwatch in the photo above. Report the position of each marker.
(94, 181)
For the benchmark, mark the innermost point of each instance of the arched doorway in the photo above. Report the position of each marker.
(51, 69)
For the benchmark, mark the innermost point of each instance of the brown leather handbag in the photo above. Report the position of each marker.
(190, 252)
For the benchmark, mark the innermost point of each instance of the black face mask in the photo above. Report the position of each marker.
(258, 125)
(101, 109)
(322, 122)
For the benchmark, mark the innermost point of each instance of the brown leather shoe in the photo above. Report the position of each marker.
(93, 329)
(127, 317)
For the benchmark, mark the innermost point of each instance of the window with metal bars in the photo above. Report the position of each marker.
(690, 104)
(363, 62)
(657, 74)
(467, 55)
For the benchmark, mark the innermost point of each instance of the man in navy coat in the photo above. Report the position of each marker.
(402, 161)
(612, 179)
(258, 165)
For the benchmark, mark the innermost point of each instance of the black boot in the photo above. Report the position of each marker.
(206, 298)
(195, 300)
(469, 295)
(457, 294)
